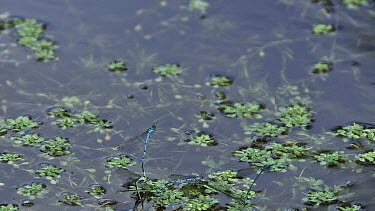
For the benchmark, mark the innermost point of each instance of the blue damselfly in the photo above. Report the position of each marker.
(183, 179)
(142, 138)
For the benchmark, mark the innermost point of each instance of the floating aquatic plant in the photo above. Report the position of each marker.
(243, 110)
(58, 112)
(107, 203)
(321, 197)
(201, 202)
(32, 190)
(218, 80)
(10, 158)
(56, 147)
(252, 155)
(28, 140)
(65, 122)
(367, 158)
(168, 70)
(71, 199)
(30, 32)
(330, 159)
(168, 197)
(50, 172)
(3, 130)
(66, 119)
(117, 66)
(355, 4)
(276, 155)
(97, 190)
(350, 207)
(292, 150)
(204, 117)
(323, 28)
(8, 207)
(198, 5)
(355, 131)
(322, 68)
(121, 161)
(295, 116)
(319, 193)
(21, 124)
(265, 129)
(227, 175)
(202, 139)
(93, 119)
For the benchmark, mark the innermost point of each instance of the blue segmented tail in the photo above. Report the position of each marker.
(135, 141)
(183, 179)
(149, 132)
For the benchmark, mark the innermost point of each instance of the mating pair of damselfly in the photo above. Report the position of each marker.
(142, 138)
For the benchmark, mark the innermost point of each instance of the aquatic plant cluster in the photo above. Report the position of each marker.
(19, 132)
(31, 35)
(277, 140)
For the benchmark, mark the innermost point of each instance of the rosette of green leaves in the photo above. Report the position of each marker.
(56, 147)
(33, 190)
(50, 172)
(21, 124)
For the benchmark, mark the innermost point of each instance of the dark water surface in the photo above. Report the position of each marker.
(265, 46)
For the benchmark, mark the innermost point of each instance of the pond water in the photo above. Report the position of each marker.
(230, 85)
